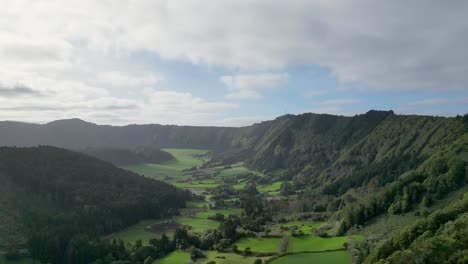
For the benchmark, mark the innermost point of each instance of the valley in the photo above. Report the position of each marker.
(278, 245)
(373, 188)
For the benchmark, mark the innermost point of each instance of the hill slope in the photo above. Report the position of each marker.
(78, 134)
(126, 157)
(53, 194)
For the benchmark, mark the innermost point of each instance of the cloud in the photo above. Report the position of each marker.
(77, 51)
(169, 107)
(248, 85)
(360, 41)
(131, 80)
(16, 90)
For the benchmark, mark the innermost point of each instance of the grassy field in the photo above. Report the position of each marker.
(225, 212)
(234, 171)
(226, 258)
(185, 159)
(335, 257)
(313, 243)
(177, 257)
(196, 184)
(266, 245)
(198, 224)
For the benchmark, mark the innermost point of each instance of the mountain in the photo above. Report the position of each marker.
(126, 157)
(78, 134)
(49, 195)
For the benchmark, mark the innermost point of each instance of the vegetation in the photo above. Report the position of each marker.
(126, 157)
(68, 198)
(316, 258)
(373, 188)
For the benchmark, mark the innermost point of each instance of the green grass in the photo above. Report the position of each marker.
(177, 257)
(313, 243)
(135, 232)
(226, 258)
(198, 224)
(239, 186)
(233, 171)
(19, 261)
(335, 257)
(185, 159)
(263, 245)
(225, 212)
(269, 188)
(191, 185)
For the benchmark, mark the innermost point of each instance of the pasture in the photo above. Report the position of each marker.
(226, 258)
(184, 159)
(197, 225)
(225, 212)
(335, 257)
(262, 245)
(314, 243)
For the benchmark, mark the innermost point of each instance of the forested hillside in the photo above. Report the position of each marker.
(53, 196)
(78, 134)
(126, 157)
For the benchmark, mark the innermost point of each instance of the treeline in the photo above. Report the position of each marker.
(65, 196)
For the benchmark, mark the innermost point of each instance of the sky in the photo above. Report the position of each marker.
(230, 62)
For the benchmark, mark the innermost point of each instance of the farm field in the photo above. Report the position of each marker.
(263, 245)
(185, 159)
(225, 212)
(335, 257)
(314, 243)
(233, 171)
(197, 224)
(226, 258)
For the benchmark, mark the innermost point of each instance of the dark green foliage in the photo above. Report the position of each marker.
(67, 199)
(126, 157)
(439, 238)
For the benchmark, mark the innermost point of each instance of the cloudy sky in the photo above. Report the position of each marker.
(229, 62)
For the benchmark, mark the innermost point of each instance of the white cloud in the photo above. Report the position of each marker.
(360, 41)
(124, 79)
(169, 107)
(76, 51)
(248, 85)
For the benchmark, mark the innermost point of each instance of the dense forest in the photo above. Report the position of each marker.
(60, 197)
(126, 157)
